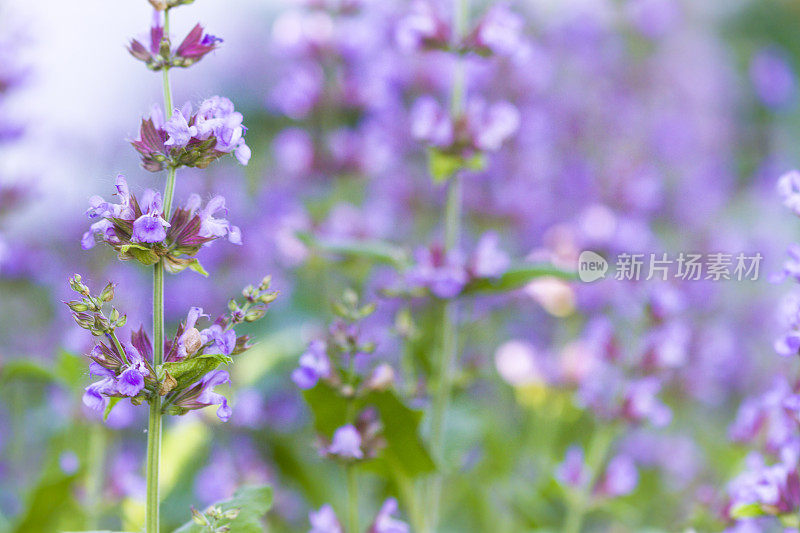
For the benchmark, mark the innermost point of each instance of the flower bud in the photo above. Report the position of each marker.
(253, 315)
(77, 306)
(265, 283)
(269, 297)
(198, 518)
(231, 514)
(108, 293)
(160, 5)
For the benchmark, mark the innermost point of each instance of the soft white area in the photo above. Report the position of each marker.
(87, 93)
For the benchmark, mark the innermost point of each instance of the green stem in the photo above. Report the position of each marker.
(577, 507)
(155, 422)
(94, 474)
(449, 333)
(352, 498)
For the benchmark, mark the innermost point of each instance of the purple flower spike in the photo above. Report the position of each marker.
(324, 521)
(346, 443)
(314, 364)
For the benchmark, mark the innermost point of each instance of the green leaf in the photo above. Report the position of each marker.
(144, 255)
(443, 166)
(404, 447)
(375, 251)
(195, 266)
(517, 276)
(401, 431)
(111, 403)
(25, 369)
(190, 370)
(747, 510)
(252, 503)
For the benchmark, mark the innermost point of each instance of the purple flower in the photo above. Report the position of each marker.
(96, 395)
(789, 190)
(193, 140)
(573, 472)
(201, 394)
(178, 130)
(443, 273)
(488, 260)
(222, 341)
(491, 125)
(346, 443)
(431, 123)
(641, 403)
(385, 523)
(619, 479)
(149, 228)
(211, 227)
(422, 28)
(314, 364)
(653, 18)
(773, 78)
(776, 487)
(195, 46)
(324, 521)
(499, 32)
(131, 381)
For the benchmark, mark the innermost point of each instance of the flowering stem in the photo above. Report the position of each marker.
(602, 438)
(154, 425)
(449, 333)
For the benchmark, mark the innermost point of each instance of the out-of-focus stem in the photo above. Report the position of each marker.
(94, 474)
(602, 438)
(352, 498)
(449, 333)
(155, 422)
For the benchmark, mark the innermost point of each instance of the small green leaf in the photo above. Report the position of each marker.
(252, 503)
(747, 510)
(444, 166)
(111, 403)
(377, 251)
(195, 266)
(190, 370)
(517, 276)
(404, 447)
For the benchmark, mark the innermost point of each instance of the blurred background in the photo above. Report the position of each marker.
(645, 126)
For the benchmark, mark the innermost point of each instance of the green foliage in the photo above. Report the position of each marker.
(190, 370)
(443, 166)
(517, 276)
(252, 503)
(404, 447)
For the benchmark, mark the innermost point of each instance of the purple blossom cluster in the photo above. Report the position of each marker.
(192, 139)
(157, 54)
(137, 230)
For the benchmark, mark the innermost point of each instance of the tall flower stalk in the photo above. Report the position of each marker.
(448, 327)
(174, 376)
(154, 425)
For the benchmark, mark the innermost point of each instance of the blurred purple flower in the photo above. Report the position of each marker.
(620, 478)
(773, 78)
(573, 471)
(324, 521)
(346, 443)
(314, 365)
(385, 523)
